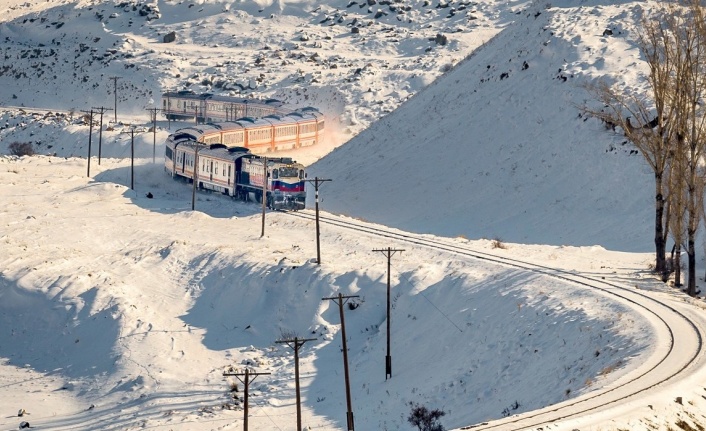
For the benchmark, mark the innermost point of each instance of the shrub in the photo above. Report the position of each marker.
(425, 419)
(498, 243)
(21, 149)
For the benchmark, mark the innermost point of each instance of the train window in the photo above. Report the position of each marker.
(216, 168)
(301, 174)
(288, 172)
(275, 173)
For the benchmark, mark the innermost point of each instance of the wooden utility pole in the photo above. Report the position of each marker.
(264, 194)
(169, 108)
(153, 111)
(115, 92)
(196, 115)
(340, 300)
(132, 157)
(246, 384)
(90, 133)
(388, 252)
(101, 110)
(295, 344)
(196, 176)
(316, 181)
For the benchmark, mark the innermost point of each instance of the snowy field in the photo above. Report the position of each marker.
(122, 312)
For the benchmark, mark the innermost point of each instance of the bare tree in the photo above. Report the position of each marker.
(688, 92)
(677, 207)
(651, 133)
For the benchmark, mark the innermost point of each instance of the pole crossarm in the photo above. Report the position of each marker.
(337, 299)
(248, 374)
(295, 343)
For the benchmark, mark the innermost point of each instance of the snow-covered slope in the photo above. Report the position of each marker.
(498, 148)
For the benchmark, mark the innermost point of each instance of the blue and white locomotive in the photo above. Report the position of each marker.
(236, 172)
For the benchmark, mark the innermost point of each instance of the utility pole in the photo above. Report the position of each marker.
(264, 194)
(388, 252)
(90, 133)
(153, 111)
(101, 110)
(115, 92)
(340, 300)
(196, 176)
(295, 344)
(246, 384)
(169, 108)
(132, 157)
(317, 181)
(196, 115)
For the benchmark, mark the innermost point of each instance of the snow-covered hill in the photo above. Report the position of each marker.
(498, 147)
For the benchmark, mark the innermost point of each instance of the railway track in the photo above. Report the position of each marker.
(678, 326)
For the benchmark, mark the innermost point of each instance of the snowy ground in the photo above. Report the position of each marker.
(121, 312)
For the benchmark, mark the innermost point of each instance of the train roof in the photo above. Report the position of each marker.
(195, 132)
(230, 126)
(252, 122)
(279, 120)
(275, 160)
(215, 150)
(188, 94)
(309, 110)
(222, 152)
(277, 104)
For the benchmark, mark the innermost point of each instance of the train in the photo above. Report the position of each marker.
(267, 125)
(211, 108)
(236, 172)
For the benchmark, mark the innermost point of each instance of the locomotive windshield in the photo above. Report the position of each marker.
(288, 172)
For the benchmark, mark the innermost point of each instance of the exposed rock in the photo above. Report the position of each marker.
(169, 37)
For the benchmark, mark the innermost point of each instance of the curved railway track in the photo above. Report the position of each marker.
(680, 329)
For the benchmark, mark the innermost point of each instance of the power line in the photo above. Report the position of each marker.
(430, 302)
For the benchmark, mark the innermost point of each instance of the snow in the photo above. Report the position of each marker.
(122, 312)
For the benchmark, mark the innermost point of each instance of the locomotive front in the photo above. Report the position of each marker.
(288, 186)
